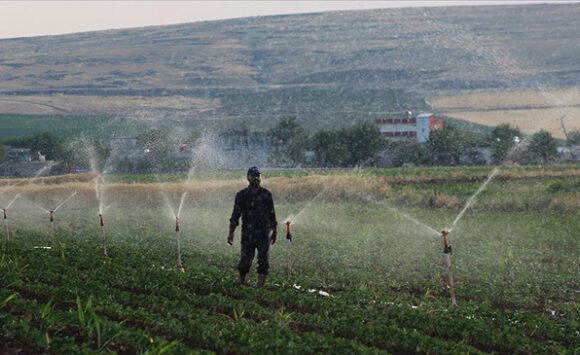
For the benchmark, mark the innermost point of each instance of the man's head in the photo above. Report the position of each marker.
(253, 176)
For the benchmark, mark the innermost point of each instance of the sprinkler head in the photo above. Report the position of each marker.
(288, 234)
(177, 224)
(4, 210)
(101, 220)
(51, 215)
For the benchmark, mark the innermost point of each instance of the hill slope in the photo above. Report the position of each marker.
(324, 68)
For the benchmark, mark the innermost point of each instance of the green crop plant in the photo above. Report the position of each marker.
(94, 328)
(7, 300)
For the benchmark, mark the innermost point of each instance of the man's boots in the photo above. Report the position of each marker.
(261, 280)
(244, 279)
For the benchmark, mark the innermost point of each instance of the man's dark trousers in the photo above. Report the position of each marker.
(250, 242)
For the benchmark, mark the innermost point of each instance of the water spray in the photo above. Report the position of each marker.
(6, 216)
(472, 198)
(447, 251)
(65, 201)
(178, 240)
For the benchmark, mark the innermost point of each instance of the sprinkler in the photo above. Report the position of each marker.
(102, 224)
(178, 240)
(447, 250)
(6, 223)
(51, 219)
(288, 234)
(289, 238)
(446, 246)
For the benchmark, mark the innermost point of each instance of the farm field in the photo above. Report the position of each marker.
(363, 273)
(12, 126)
(530, 111)
(135, 107)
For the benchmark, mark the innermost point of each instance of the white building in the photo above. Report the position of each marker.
(417, 127)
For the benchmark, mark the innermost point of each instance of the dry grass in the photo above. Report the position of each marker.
(501, 99)
(55, 104)
(49, 192)
(528, 121)
(506, 173)
(47, 180)
(528, 110)
(329, 187)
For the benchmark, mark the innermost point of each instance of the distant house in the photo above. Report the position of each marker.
(417, 128)
(569, 154)
(240, 148)
(18, 155)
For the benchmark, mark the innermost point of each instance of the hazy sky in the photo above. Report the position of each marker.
(35, 18)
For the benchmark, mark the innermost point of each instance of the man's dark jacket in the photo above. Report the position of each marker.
(256, 207)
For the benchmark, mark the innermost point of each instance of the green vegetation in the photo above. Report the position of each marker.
(16, 126)
(515, 262)
(543, 147)
(502, 140)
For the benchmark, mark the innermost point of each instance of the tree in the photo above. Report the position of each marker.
(48, 144)
(87, 153)
(503, 138)
(542, 147)
(407, 152)
(330, 148)
(2, 153)
(158, 149)
(364, 141)
(347, 146)
(573, 138)
(445, 146)
(290, 141)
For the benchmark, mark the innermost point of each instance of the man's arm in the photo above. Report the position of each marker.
(235, 218)
(272, 219)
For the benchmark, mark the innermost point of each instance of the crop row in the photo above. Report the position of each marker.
(349, 315)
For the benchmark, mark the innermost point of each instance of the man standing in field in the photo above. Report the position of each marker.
(256, 207)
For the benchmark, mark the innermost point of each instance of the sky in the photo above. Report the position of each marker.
(25, 18)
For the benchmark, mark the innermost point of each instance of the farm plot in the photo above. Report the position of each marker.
(360, 276)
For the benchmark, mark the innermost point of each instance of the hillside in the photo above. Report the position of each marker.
(325, 68)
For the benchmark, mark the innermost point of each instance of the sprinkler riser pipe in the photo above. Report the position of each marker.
(447, 261)
(178, 240)
(4, 210)
(51, 217)
(177, 224)
(288, 234)
(101, 220)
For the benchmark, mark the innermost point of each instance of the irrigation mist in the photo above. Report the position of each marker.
(335, 230)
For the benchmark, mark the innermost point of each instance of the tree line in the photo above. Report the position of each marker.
(361, 143)
(292, 146)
